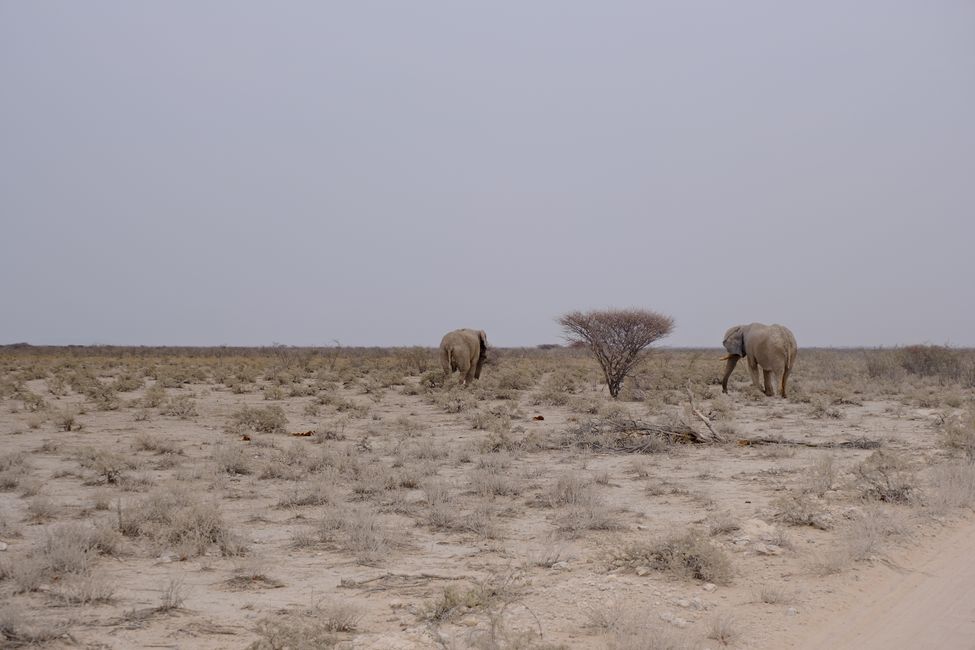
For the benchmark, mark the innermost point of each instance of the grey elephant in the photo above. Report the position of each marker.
(773, 347)
(464, 350)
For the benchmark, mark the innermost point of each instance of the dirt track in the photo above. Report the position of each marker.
(927, 602)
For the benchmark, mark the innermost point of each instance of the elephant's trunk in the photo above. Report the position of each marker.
(732, 361)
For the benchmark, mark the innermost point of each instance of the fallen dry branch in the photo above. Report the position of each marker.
(401, 580)
(624, 435)
(855, 443)
(715, 436)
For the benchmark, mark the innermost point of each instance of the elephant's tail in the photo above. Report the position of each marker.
(447, 359)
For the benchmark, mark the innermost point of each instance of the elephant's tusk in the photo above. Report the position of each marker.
(725, 357)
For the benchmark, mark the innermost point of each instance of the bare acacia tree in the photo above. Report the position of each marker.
(617, 337)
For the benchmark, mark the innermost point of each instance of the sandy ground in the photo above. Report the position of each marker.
(923, 598)
(552, 586)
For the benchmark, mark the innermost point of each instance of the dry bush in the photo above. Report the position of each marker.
(66, 419)
(887, 476)
(690, 555)
(41, 508)
(18, 630)
(316, 492)
(488, 483)
(232, 459)
(581, 507)
(294, 630)
(617, 338)
(500, 589)
(180, 406)
(820, 476)
(959, 433)
(864, 538)
(952, 486)
(84, 589)
(273, 393)
(127, 382)
(570, 489)
(883, 364)
(591, 515)
(148, 442)
(69, 548)
(801, 510)
(931, 361)
(108, 466)
(14, 468)
(154, 396)
(32, 401)
(176, 518)
(269, 419)
(721, 523)
(557, 388)
(357, 531)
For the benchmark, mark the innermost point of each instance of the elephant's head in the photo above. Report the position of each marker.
(734, 343)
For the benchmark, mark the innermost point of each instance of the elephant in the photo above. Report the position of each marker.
(464, 350)
(773, 347)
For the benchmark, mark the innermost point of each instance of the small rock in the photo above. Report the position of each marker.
(642, 570)
(767, 549)
(560, 566)
(709, 586)
(3, 546)
(683, 602)
(469, 622)
(792, 611)
(758, 528)
(642, 527)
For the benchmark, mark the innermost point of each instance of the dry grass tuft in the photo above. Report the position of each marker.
(723, 628)
(358, 531)
(269, 419)
(176, 518)
(887, 476)
(801, 510)
(18, 630)
(952, 486)
(690, 555)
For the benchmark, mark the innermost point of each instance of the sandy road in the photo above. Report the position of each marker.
(930, 605)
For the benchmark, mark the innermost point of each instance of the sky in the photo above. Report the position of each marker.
(377, 173)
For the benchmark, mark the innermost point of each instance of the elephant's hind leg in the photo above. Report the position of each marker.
(785, 376)
(465, 370)
(753, 371)
(769, 383)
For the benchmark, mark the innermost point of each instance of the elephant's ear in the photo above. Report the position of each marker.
(734, 341)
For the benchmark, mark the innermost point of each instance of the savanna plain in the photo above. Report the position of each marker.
(356, 498)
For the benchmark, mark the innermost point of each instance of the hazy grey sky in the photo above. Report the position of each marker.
(226, 172)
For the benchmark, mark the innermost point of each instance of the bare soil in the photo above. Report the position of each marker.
(531, 541)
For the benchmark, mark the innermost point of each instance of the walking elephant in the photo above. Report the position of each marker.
(464, 350)
(773, 347)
